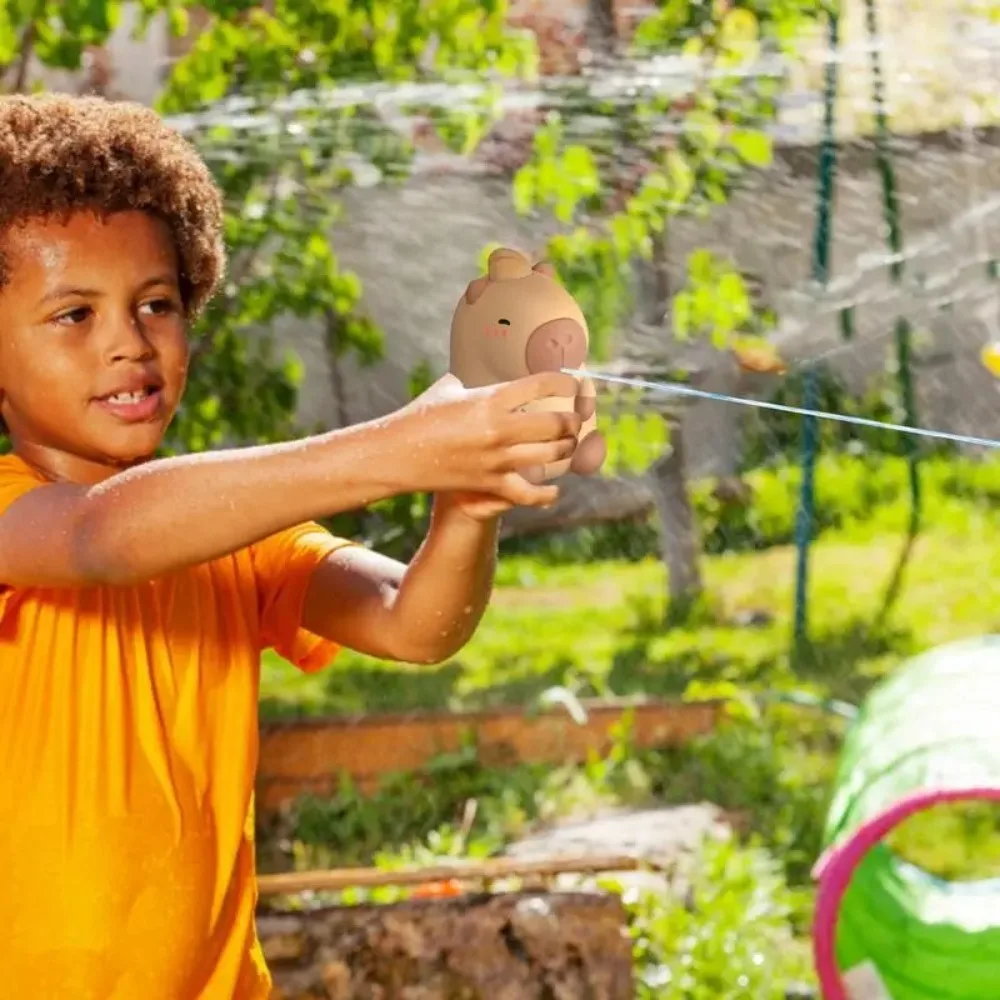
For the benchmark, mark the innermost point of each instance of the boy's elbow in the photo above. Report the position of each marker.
(433, 654)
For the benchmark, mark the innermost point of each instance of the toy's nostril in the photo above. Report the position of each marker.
(556, 344)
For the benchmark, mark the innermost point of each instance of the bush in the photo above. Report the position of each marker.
(771, 436)
(739, 928)
(730, 938)
(851, 491)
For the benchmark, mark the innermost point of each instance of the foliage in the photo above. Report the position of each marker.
(280, 162)
(742, 930)
(731, 938)
(852, 490)
(954, 841)
(596, 628)
(57, 32)
(736, 925)
(617, 186)
(390, 827)
(770, 436)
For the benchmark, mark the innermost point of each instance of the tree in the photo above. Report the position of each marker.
(257, 89)
(617, 187)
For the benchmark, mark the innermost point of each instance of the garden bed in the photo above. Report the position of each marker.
(311, 756)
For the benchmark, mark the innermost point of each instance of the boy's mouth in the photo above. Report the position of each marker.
(133, 405)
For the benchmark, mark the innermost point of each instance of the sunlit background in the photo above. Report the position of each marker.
(776, 199)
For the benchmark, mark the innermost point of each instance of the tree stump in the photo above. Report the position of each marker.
(517, 946)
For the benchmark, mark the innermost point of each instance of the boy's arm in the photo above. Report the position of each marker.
(176, 512)
(421, 613)
(173, 512)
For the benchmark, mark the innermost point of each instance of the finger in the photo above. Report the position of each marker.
(517, 490)
(536, 426)
(538, 386)
(522, 456)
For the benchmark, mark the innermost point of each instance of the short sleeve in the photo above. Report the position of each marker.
(284, 565)
(16, 479)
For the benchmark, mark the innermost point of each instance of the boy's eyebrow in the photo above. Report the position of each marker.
(64, 291)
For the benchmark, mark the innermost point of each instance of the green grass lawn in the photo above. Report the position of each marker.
(598, 627)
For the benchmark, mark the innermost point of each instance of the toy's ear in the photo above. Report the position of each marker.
(505, 264)
(544, 267)
(476, 288)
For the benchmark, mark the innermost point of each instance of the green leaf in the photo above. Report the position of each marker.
(701, 266)
(524, 190)
(682, 176)
(754, 147)
(8, 38)
(581, 167)
(178, 21)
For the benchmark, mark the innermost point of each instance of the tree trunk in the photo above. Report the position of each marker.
(680, 544)
(602, 35)
(679, 539)
(519, 946)
(584, 501)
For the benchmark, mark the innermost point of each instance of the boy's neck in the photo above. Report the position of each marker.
(58, 466)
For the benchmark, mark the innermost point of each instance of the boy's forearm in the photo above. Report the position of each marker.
(176, 512)
(446, 587)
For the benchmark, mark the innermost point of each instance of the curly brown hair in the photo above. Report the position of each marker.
(60, 154)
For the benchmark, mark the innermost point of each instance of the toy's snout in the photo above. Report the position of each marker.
(560, 343)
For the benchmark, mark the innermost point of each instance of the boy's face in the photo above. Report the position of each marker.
(93, 346)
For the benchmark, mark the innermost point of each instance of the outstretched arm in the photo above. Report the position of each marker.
(421, 613)
(174, 512)
(177, 512)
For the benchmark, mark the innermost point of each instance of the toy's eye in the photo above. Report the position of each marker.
(504, 322)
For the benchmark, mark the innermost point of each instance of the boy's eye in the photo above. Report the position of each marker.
(73, 317)
(158, 307)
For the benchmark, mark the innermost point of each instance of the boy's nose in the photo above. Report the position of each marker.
(126, 341)
(560, 343)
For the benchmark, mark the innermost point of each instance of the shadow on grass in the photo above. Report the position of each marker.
(371, 688)
(846, 660)
(637, 669)
(392, 688)
(894, 589)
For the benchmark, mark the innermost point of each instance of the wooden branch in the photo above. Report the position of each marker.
(24, 60)
(470, 871)
(583, 502)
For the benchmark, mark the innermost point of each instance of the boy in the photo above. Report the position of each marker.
(137, 594)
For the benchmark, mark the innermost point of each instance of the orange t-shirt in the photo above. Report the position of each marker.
(128, 746)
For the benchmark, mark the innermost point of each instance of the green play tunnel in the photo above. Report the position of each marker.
(927, 736)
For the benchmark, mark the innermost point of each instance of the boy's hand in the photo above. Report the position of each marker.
(469, 443)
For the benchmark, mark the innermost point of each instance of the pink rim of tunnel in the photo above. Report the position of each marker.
(836, 868)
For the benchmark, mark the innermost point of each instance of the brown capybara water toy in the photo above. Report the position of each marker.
(517, 320)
